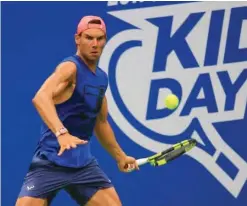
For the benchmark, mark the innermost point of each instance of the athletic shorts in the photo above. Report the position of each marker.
(44, 179)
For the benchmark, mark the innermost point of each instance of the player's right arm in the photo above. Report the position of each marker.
(44, 102)
(44, 98)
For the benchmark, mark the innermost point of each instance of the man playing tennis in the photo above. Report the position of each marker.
(72, 105)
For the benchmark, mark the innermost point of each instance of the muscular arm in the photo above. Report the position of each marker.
(44, 98)
(105, 134)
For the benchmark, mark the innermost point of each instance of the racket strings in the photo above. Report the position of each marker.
(173, 152)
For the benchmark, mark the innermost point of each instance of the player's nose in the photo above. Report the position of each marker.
(95, 42)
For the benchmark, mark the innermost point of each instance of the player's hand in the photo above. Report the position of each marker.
(127, 163)
(68, 141)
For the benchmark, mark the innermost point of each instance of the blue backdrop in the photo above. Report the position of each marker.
(196, 50)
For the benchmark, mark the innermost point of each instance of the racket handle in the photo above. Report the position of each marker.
(142, 161)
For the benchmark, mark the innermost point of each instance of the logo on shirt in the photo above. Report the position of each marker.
(30, 187)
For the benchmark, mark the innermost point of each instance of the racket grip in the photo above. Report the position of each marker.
(142, 161)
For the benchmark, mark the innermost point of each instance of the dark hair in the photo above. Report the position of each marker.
(95, 21)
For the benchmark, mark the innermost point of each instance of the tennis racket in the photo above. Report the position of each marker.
(168, 155)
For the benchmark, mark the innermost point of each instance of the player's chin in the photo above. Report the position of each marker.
(94, 56)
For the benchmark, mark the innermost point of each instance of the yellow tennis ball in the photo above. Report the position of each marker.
(171, 101)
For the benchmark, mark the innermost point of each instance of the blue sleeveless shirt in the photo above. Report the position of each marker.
(78, 114)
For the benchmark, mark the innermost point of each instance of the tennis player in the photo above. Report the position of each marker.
(73, 106)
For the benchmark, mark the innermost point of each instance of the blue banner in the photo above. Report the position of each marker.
(196, 50)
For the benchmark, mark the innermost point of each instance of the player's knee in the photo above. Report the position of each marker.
(30, 201)
(117, 204)
(109, 201)
(114, 202)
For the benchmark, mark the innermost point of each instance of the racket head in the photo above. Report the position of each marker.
(172, 153)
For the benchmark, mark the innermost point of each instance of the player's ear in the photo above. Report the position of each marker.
(77, 38)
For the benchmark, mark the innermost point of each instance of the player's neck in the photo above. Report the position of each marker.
(90, 64)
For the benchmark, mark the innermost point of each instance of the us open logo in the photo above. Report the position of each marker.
(197, 51)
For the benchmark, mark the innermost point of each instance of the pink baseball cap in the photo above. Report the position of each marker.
(87, 22)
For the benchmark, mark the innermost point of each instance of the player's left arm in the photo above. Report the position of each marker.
(107, 139)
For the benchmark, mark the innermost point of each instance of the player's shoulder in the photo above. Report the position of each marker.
(66, 66)
(69, 60)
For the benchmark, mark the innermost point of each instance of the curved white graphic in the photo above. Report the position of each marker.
(134, 75)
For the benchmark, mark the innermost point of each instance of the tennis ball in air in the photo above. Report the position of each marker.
(171, 101)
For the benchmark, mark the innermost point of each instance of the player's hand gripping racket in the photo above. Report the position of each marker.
(168, 155)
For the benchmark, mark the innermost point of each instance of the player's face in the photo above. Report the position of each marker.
(91, 43)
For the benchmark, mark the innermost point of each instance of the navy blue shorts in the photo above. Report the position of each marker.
(45, 179)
